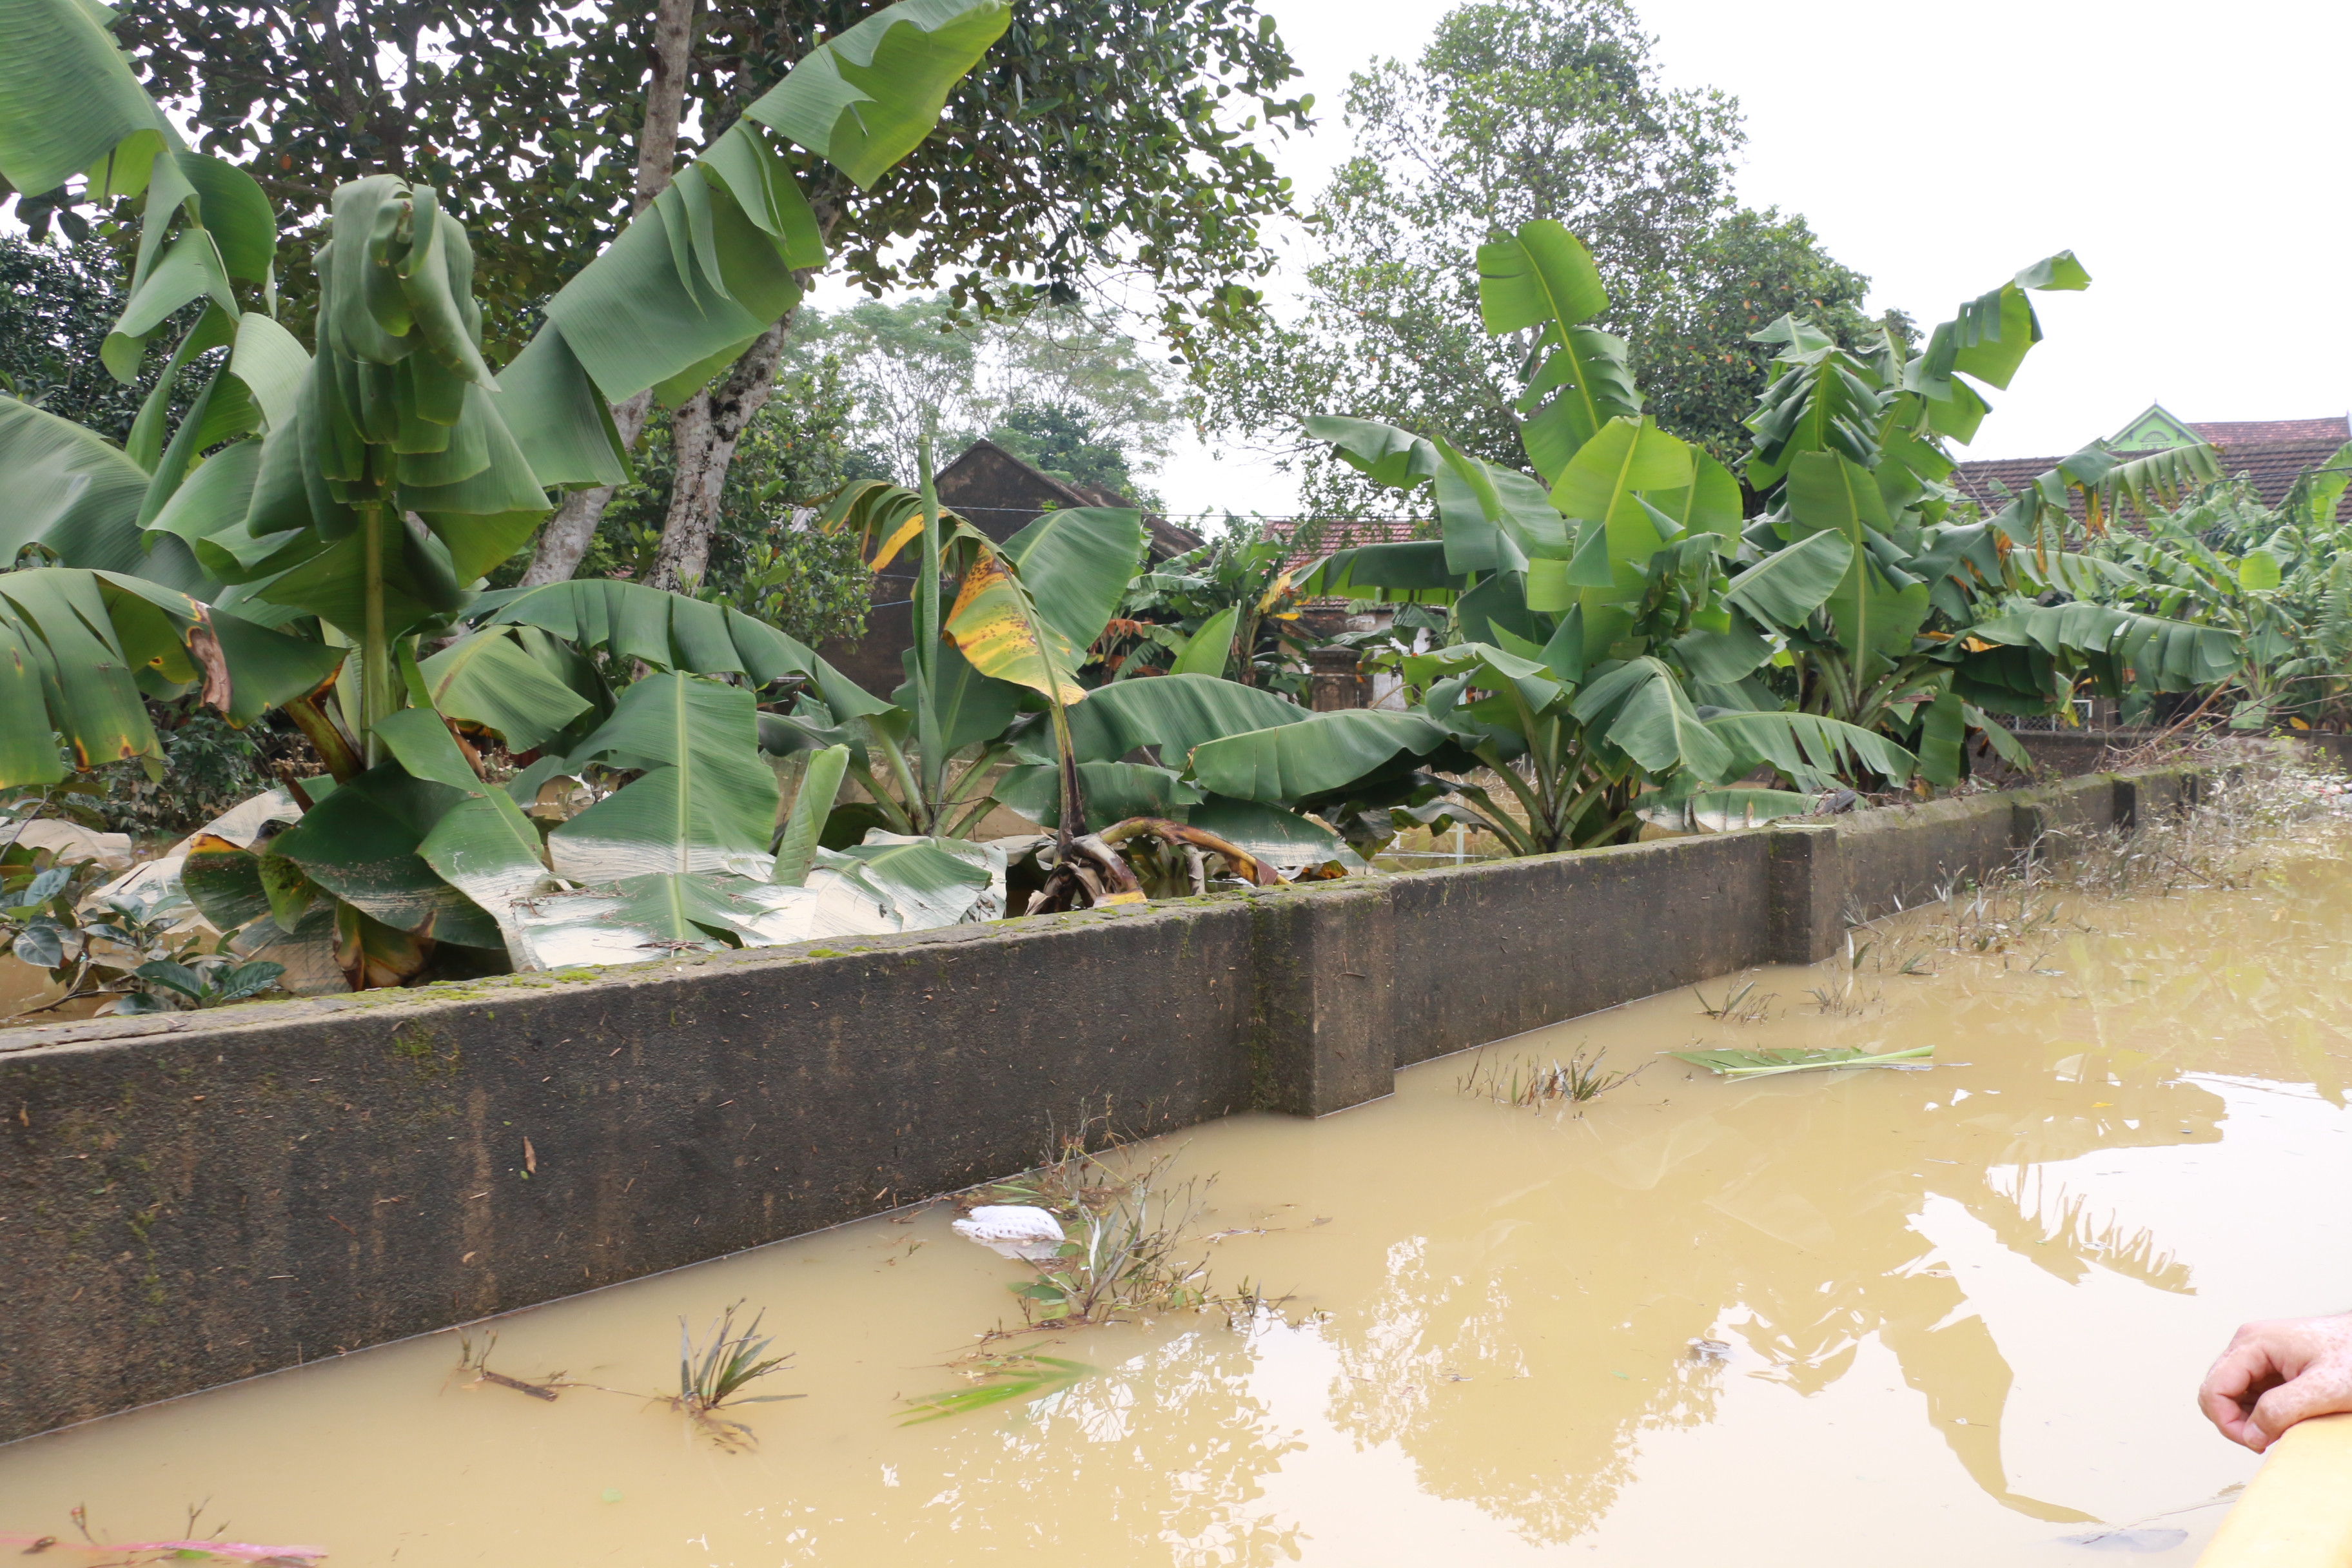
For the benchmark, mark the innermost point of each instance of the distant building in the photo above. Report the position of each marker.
(2269, 453)
(1000, 495)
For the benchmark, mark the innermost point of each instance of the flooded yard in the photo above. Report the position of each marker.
(1950, 1316)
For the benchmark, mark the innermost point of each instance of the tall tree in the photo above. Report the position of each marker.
(1100, 136)
(1520, 110)
(565, 537)
(1060, 386)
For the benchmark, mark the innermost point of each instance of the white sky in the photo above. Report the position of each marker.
(2195, 156)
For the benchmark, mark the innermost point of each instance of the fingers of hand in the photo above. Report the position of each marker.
(2243, 1371)
(2323, 1390)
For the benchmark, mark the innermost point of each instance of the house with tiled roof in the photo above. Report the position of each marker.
(1313, 538)
(2270, 453)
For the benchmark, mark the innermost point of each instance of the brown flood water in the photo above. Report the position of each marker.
(1965, 1311)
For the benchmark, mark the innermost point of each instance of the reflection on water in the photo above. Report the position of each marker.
(1960, 1311)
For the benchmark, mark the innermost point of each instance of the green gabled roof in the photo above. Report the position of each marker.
(2153, 430)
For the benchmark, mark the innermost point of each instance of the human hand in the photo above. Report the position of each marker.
(2278, 1372)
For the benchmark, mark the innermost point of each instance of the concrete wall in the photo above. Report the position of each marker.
(2058, 753)
(197, 1197)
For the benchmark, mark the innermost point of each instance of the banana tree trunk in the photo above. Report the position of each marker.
(563, 542)
(703, 434)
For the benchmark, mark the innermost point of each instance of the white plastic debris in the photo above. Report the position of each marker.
(1014, 1230)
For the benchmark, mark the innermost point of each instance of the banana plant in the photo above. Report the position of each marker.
(1625, 639)
(1002, 661)
(2276, 580)
(1604, 634)
(392, 468)
(993, 712)
(1943, 618)
(1221, 609)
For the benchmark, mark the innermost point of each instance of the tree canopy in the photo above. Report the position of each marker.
(1520, 110)
(1097, 135)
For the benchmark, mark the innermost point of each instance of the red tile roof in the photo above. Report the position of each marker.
(2336, 428)
(1339, 533)
(1344, 533)
(2250, 449)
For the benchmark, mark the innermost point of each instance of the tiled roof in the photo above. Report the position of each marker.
(2271, 466)
(1344, 533)
(2336, 429)
(1339, 533)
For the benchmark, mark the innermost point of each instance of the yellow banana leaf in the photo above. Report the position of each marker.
(996, 627)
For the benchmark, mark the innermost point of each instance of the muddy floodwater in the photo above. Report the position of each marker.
(1944, 1317)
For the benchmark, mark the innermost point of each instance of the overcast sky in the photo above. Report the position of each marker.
(2195, 157)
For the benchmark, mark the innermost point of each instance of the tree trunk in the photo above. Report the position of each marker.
(703, 432)
(565, 540)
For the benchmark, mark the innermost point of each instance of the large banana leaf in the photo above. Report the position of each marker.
(797, 843)
(1812, 749)
(1076, 564)
(1321, 753)
(1542, 276)
(73, 493)
(922, 883)
(886, 885)
(483, 846)
(1602, 486)
(1210, 649)
(362, 843)
(69, 100)
(2161, 654)
(972, 708)
(1495, 519)
(487, 680)
(671, 631)
(1406, 572)
(79, 650)
(1989, 336)
(1114, 791)
(1829, 492)
(1823, 400)
(1383, 454)
(707, 800)
(2317, 494)
(1722, 810)
(2152, 480)
(866, 97)
(1710, 503)
(1522, 689)
(996, 625)
(1644, 711)
(1174, 713)
(651, 915)
(1284, 841)
(1788, 585)
(231, 232)
(705, 269)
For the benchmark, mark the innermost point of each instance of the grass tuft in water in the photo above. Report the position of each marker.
(1741, 1004)
(712, 1376)
(1528, 1083)
(1132, 1227)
